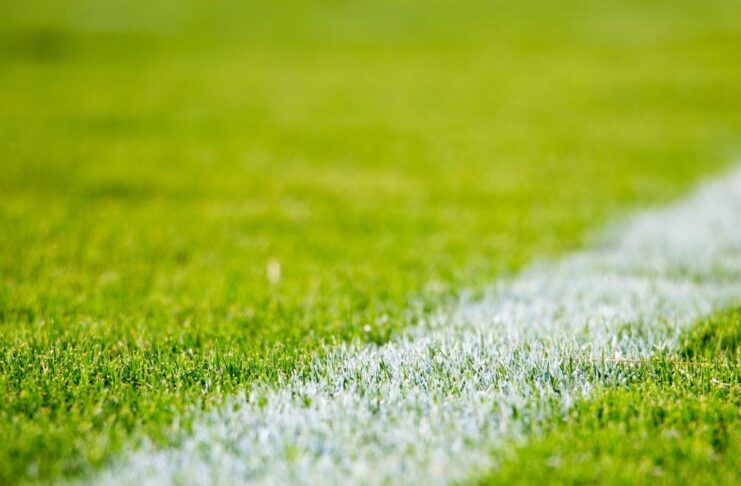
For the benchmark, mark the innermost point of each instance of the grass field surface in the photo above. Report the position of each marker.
(433, 406)
(201, 197)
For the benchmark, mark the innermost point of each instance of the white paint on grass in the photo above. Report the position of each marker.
(430, 406)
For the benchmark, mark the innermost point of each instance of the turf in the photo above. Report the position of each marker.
(677, 419)
(426, 407)
(158, 159)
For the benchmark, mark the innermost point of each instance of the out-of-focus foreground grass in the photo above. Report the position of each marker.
(157, 157)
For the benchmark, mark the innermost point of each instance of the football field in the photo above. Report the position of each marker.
(370, 242)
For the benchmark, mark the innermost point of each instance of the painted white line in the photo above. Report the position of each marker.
(430, 406)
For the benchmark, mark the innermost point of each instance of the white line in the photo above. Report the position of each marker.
(430, 406)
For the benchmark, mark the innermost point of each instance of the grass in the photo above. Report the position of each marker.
(677, 419)
(157, 159)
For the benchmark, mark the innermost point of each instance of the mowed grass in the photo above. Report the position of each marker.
(673, 420)
(156, 160)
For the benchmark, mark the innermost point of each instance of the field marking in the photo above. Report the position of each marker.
(431, 405)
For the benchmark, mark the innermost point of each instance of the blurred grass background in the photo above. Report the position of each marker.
(156, 157)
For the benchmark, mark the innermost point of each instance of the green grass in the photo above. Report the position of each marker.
(676, 420)
(154, 159)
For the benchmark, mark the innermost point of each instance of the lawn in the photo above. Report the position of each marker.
(675, 420)
(198, 195)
